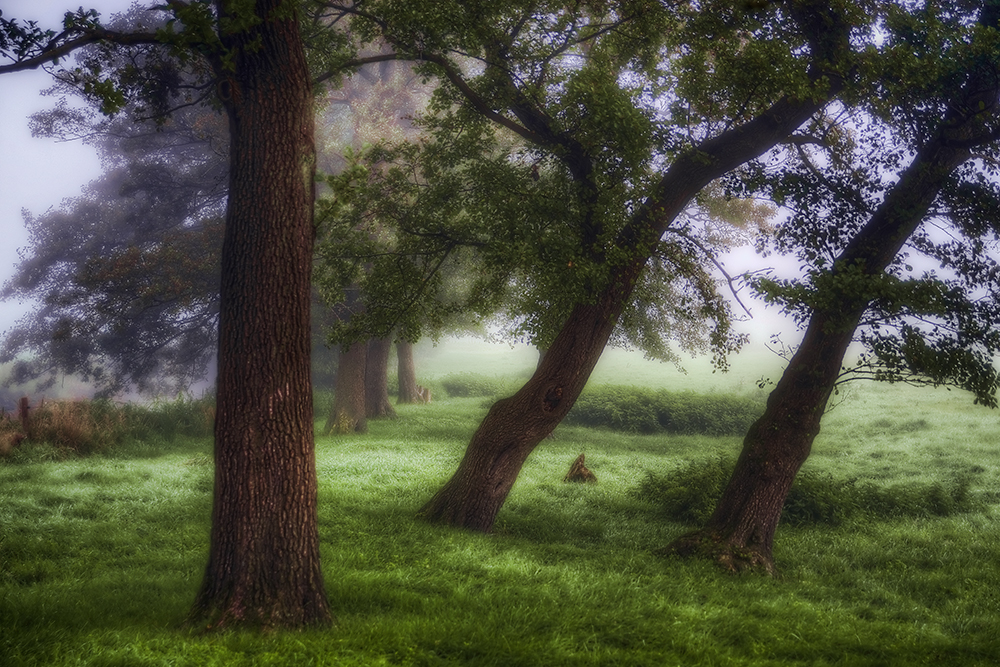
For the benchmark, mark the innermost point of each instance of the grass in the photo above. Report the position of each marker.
(100, 556)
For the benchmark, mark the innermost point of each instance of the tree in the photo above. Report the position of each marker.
(621, 141)
(263, 565)
(939, 329)
(126, 276)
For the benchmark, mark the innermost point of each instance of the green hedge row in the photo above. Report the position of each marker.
(689, 493)
(643, 410)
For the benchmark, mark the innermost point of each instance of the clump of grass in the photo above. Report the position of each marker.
(644, 410)
(688, 494)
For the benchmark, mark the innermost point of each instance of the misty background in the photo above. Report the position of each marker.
(37, 174)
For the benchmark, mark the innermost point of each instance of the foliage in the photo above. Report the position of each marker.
(543, 148)
(928, 317)
(689, 493)
(642, 410)
(126, 276)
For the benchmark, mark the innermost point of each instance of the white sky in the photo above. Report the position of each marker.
(35, 174)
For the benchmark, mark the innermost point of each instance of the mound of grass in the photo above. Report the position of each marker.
(688, 494)
(643, 410)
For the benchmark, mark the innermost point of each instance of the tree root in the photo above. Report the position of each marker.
(732, 557)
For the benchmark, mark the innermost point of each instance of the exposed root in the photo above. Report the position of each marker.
(711, 546)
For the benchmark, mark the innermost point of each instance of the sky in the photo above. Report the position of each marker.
(35, 174)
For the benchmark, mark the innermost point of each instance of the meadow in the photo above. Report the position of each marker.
(100, 555)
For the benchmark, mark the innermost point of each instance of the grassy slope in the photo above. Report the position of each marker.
(100, 557)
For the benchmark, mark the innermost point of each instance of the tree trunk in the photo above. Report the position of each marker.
(740, 533)
(264, 566)
(514, 426)
(377, 403)
(347, 412)
(408, 392)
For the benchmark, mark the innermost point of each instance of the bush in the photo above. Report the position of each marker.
(642, 410)
(82, 426)
(90, 426)
(688, 494)
(463, 385)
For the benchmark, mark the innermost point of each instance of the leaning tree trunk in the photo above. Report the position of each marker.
(377, 403)
(514, 426)
(740, 533)
(347, 411)
(407, 373)
(264, 563)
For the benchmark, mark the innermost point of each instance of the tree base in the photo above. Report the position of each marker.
(711, 546)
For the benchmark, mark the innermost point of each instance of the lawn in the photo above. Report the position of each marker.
(100, 556)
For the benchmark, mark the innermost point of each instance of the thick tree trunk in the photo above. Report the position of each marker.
(408, 389)
(347, 412)
(264, 566)
(377, 403)
(514, 426)
(740, 534)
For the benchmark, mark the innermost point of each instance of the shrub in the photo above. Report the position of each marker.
(89, 426)
(643, 410)
(688, 494)
(462, 385)
(81, 426)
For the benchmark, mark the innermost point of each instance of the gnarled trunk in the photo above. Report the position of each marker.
(514, 426)
(264, 567)
(740, 533)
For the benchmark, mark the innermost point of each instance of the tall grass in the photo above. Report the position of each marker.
(100, 556)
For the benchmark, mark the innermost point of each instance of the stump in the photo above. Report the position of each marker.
(578, 472)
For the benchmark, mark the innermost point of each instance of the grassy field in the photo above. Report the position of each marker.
(100, 556)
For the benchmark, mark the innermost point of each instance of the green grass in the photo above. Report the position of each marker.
(100, 557)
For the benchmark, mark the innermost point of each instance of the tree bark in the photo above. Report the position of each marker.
(264, 564)
(347, 412)
(740, 533)
(514, 426)
(377, 403)
(407, 374)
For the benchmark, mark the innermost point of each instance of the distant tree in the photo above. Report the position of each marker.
(126, 277)
(917, 166)
(568, 142)
(409, 390)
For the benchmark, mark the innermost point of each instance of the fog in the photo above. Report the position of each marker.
(37, 174)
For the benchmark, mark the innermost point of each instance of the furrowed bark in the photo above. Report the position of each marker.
(264, 566)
